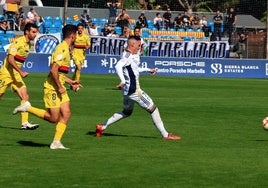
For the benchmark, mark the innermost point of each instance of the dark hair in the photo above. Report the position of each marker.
(80, 24)
(28, 27)
(68, 29)
(137, 27)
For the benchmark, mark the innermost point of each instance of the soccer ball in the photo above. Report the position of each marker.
(76, 88)
(265, 123)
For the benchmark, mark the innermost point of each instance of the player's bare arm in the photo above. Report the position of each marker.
(74, 83)
(54, 71)
(13, 63)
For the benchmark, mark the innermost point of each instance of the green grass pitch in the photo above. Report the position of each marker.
(219, 120)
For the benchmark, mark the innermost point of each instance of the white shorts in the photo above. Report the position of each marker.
(140, 97)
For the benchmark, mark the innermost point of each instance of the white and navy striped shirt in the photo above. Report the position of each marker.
(128, 70)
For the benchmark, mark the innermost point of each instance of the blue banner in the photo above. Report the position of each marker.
(201, 67)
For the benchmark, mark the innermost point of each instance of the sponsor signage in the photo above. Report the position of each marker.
(204, 67)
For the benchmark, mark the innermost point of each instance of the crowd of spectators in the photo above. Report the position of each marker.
(223, 25)
(17, 20)
(181, 22)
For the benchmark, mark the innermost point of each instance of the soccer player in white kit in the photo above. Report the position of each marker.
(128, 71)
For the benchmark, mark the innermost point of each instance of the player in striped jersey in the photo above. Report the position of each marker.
(12, 74)
(128, 71)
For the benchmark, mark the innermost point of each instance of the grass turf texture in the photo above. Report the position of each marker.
(223, 144)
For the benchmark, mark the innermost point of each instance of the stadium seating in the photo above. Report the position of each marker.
(55, 24)
(102, 22)
(186, 38)
(4, 41)
(47, 23)
(2, 33)
(5, 38)
(95, 21)
(57, 21)
(181, 30)
(2, 16)
(150, 23)
(55, 29)
(211, 26)
(10, 34)
(69, 20)
(118, 30)
(145, 34)
(52, 24)
(1, 48)
(75, 22)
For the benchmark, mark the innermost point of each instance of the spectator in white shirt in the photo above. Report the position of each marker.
(158, 21)
(93, 30)
(33, 17)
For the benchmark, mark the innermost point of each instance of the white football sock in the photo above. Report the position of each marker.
(159, 123)
(116, 117)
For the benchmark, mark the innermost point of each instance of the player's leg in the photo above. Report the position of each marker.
(24, 96)
(128, 106)
(4, 84)
(41, 113)
(77, 73)
(58, 111)
(78, 66)
(64, 116)
(52, 103)
(146, 102)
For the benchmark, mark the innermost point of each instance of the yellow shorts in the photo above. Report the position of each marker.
(79, 60)
(53, 99)
(7, 80)
(79, 57)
